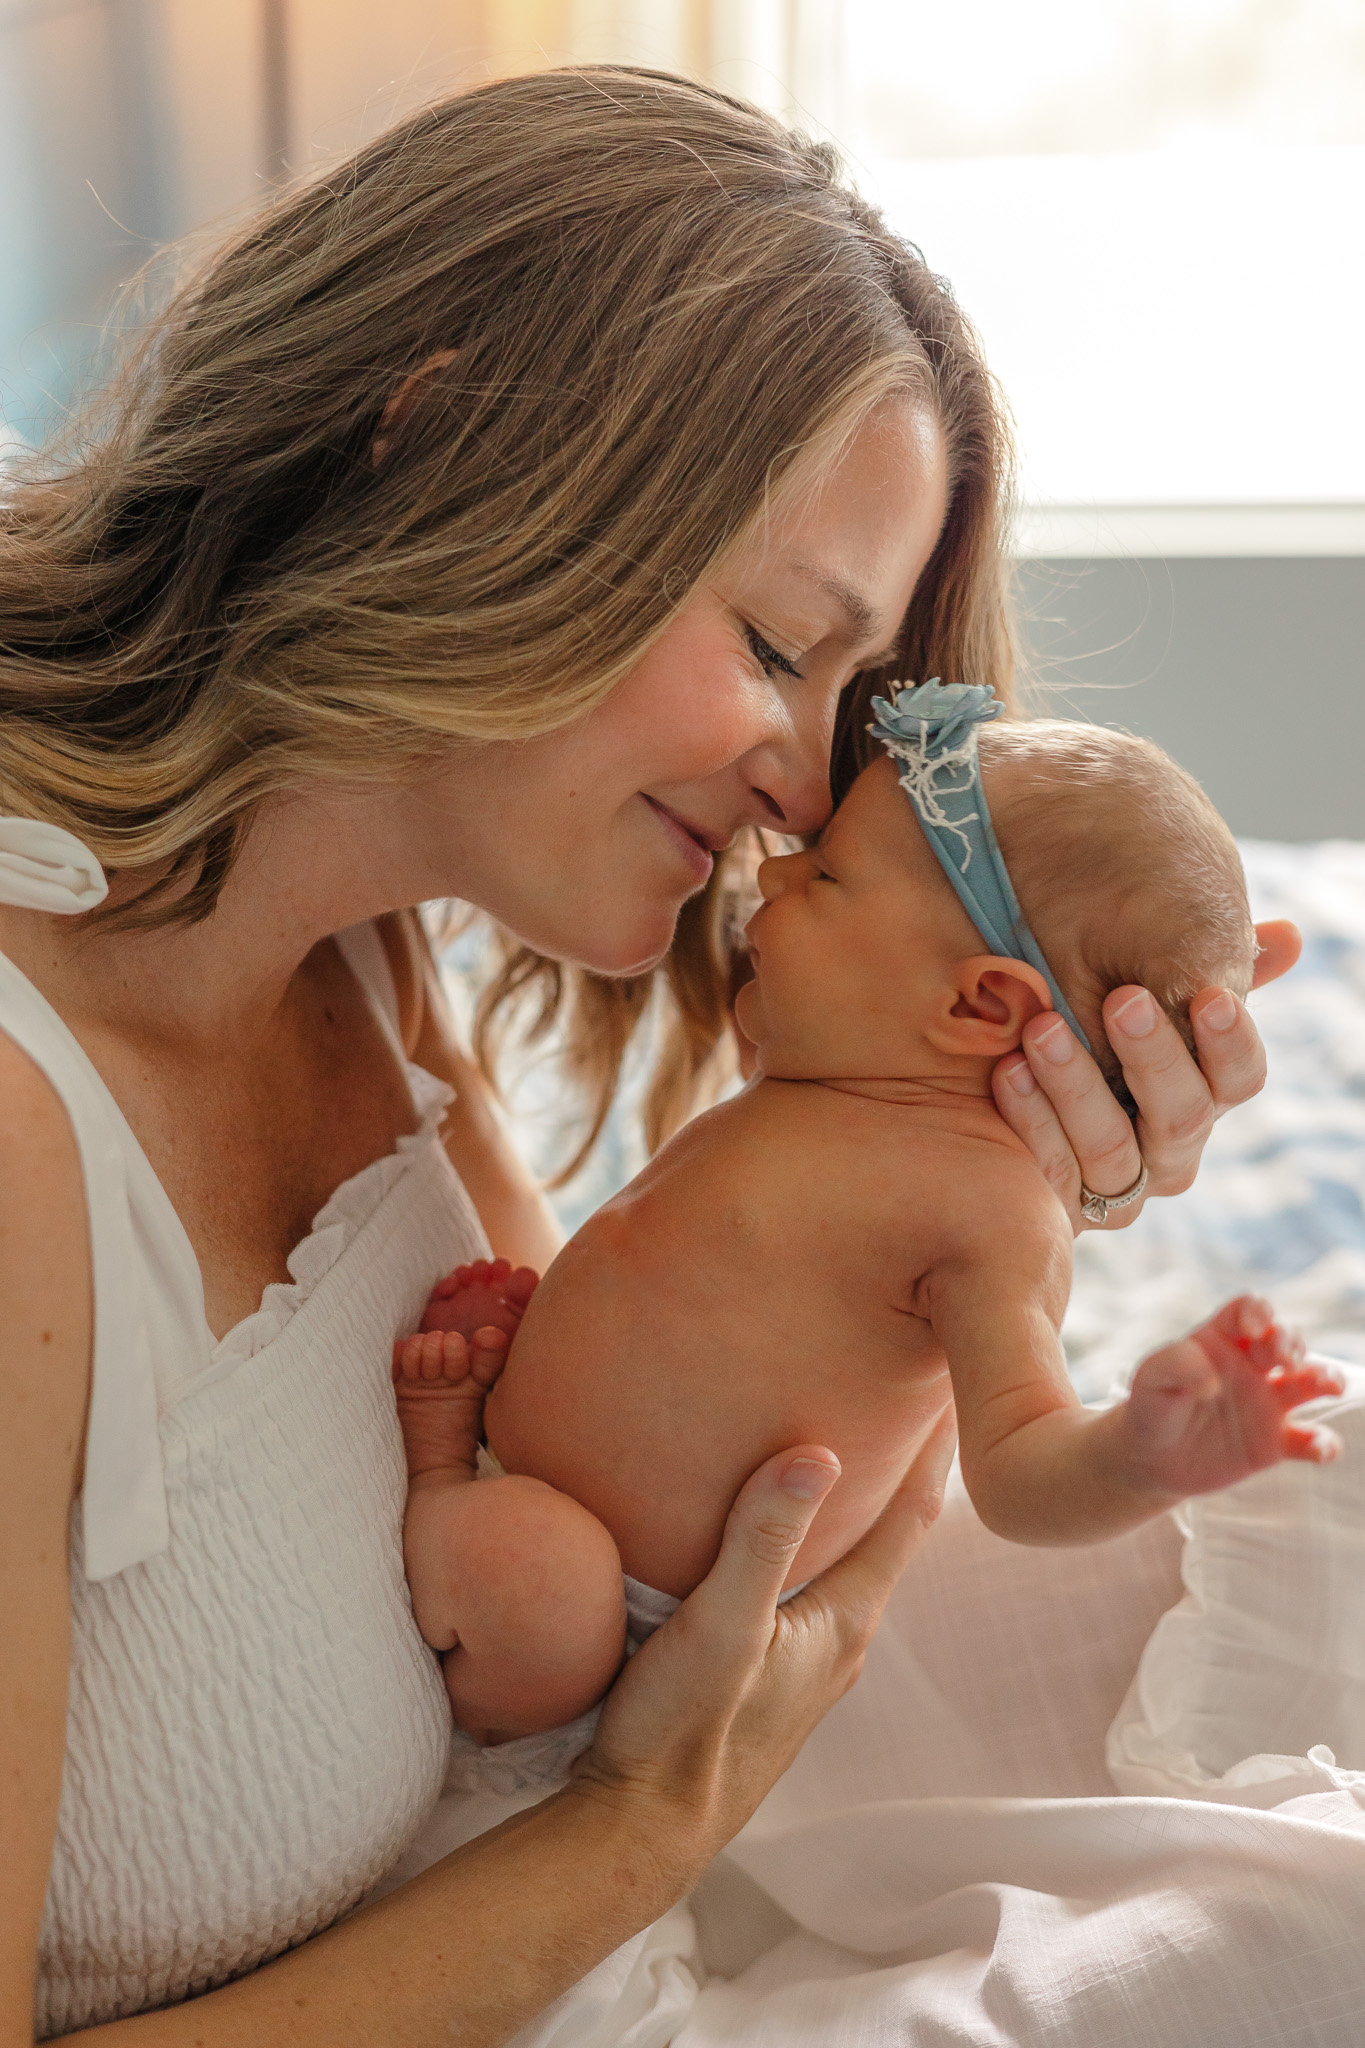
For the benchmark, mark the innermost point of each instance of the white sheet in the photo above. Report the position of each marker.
(947, 1866)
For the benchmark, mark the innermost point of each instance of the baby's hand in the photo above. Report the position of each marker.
(1214, 1408)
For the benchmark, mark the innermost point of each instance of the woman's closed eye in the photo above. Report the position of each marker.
(768, 657)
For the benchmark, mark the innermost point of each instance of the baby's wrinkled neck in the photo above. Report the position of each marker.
(918, 1091)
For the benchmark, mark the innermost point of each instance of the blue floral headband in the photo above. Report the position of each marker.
(930, 731)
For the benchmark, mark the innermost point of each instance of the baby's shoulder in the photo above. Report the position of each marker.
(994, 1201)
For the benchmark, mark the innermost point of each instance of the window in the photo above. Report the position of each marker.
(1155, 212)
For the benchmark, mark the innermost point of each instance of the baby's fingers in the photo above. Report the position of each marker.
(1311, 1381)
(1311, 1442)
(430, 1355)
(1246, 1329)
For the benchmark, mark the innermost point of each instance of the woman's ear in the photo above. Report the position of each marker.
(993, 1001)
(403, 400)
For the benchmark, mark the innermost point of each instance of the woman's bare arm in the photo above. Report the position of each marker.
(44, 1373)
(520, 1223)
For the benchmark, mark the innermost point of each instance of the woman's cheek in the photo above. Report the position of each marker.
(723, 715)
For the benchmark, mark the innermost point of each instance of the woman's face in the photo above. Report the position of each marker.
(586, 843)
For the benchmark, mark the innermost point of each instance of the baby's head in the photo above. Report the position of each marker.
(867, 964)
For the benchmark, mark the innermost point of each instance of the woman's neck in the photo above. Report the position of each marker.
(308, 866)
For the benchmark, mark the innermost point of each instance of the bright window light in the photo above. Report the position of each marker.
(1155, 212)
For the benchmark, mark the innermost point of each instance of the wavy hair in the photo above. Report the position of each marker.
(639, 303)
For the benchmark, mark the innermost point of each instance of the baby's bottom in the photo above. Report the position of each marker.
(516, 1584)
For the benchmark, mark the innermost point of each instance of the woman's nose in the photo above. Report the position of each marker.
(790, 777)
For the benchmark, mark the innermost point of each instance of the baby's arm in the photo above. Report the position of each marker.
(1202, 1413)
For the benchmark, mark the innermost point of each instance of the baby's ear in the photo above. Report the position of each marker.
(993, 1001)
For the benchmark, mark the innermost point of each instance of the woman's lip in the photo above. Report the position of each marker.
(689, 841)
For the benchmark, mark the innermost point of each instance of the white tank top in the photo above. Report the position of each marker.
(256, 1731)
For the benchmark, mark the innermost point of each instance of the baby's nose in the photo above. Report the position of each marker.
(772, 875)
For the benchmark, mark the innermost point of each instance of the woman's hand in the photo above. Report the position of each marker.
(706, 1718)
(1055, 1098)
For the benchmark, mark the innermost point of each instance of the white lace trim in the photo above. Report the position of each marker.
(337, 1224)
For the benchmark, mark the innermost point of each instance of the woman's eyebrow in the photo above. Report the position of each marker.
(863, 617)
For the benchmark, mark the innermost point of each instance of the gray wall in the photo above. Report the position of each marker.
(1250, 672)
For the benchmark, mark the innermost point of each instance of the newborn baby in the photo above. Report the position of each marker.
(857, 1239)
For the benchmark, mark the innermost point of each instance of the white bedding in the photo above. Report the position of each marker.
(947, 1864)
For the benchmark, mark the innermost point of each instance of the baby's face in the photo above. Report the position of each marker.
(853, 944)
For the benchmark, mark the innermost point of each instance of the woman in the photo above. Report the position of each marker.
(500, 518)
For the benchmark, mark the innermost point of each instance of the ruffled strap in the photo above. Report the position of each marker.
(44, 867)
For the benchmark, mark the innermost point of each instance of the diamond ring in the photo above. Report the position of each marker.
(1095, 1207)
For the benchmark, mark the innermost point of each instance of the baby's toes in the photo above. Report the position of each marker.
(487, 1355)
(521, 1285)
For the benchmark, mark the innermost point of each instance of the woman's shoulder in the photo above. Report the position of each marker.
(34, 1124)
(45, 1332)
(42, 1191)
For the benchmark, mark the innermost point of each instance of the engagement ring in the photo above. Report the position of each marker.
(1095, 1207)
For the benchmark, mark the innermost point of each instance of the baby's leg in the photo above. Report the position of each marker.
(516, 1583)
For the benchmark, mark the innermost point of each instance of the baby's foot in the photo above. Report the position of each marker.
(440, 1380)
(486, 1295)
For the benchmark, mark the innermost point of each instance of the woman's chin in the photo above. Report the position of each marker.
(635, 950)
(633, 946)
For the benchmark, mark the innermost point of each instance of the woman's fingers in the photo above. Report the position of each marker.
(720, 1699)
(862, 1581)
(1278, 946)
(1055, 1098)
(1230, 1050)
(766, 1527)
(1057, 1101)
(1176, 1109)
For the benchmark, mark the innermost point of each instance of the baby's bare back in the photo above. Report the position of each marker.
(753, 1289)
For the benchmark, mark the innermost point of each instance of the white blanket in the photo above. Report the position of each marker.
(947, 1864)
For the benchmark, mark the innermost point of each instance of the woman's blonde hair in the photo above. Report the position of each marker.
(645, 302)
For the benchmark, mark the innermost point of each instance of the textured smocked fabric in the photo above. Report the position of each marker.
(256, 1730)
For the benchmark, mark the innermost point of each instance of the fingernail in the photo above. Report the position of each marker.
(1137, 1016)
(807, 1479)
(1056, 1043)
(1220, 1014)
(1020, 1077)
(1258, 1317)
